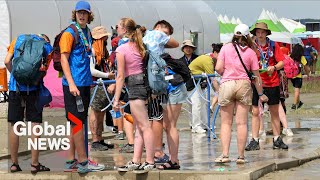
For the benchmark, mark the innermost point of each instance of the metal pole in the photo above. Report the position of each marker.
(208, 110)
(86, 142)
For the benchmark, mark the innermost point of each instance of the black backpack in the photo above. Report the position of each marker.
(179, 67)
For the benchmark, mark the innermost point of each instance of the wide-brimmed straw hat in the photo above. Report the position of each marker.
(188, 43)
(99, 32)
(261, 25)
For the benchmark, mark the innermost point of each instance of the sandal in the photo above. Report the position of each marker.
(17, 168)
(222, 159)
(39, 168)
(240, 160)
(169, 166)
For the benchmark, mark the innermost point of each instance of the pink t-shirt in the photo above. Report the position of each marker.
(233, 69)
(132, 57)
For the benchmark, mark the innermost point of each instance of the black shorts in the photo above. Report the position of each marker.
(71, 106)
(137, 88)
(273, 93)
(297, 82)
(18, 103)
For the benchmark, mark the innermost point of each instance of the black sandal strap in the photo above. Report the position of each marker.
(39, 168)
(16, 166)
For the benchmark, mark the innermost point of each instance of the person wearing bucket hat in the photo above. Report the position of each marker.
(270, 59)
(188, 49)
(260, 25)
(77, 79)
(98, 68)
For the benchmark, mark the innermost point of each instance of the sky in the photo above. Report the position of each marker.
(249, 11)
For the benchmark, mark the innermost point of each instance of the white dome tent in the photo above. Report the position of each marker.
(194, 19)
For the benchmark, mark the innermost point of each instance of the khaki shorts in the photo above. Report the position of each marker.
(235, 90)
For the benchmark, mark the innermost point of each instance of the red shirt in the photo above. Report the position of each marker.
(274, 56)
(285, 50)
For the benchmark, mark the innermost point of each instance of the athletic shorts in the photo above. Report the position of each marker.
(71, 106)
(273, 93)
(24, 104)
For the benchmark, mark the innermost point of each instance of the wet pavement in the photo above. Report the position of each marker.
(308, 171)
(196, 151)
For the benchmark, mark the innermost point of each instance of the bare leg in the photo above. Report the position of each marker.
(78, 140)
(129, 128)
(241, 120)
(274, 111)
(144, 134)
(172, 114)
(14, 144)
(96, 123)
(34, 152)
(296, 96)
(283, 117)
(226, 123)
(255, 122)
(157, 128)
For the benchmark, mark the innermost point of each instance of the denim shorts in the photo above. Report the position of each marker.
(136, 87)
(177, 96)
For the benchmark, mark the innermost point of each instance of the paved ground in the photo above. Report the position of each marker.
(196, 152)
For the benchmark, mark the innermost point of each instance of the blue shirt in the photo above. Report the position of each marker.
(155, 41)
(171, 87)
(79, 62)
(13, 82)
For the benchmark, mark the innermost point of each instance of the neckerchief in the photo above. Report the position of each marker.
(265, 53)
(84, 39)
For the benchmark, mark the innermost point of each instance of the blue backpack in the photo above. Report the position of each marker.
(30, 55)
(156, 69)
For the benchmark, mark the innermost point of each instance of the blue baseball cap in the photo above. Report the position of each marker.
(83, 5)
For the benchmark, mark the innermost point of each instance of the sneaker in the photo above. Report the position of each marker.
(97, 146)
(89, 166)
(222, 159)
(144, 168)
(128, 148)
(199, 130)
(108, 144)
(161, 160)
(299, 105)
(279, 144)
(71, 166)
(294, 107)
(287, 132)
(119, 136)
(114, 130)
(130, 166)
(253, 145)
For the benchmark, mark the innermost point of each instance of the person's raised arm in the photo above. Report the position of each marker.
(172, 43)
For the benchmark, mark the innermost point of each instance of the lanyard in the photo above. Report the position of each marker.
(84, 39)
(264, 55)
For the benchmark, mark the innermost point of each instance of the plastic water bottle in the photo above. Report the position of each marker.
(79, 103)
(115, 114)
(154, 68)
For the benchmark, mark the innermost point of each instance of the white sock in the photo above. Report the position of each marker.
(120, 132)
(275, 138)
(256, 139)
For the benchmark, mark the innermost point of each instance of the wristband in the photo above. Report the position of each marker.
(260, 94)
(275, 68)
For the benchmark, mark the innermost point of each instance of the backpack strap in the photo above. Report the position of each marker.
(76, 37)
